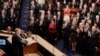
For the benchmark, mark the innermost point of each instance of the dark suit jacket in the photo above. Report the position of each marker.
(17, 46)
(3, 22)
(12, 19)
(92, 44)
(43, 28)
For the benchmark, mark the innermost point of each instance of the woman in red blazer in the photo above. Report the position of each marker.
(52, 32)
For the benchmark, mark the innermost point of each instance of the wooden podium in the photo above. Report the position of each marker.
(30, 49)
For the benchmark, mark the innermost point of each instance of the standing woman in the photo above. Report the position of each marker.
(52, 32)
(73, 35)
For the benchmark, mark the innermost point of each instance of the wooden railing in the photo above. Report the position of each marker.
(52, 49)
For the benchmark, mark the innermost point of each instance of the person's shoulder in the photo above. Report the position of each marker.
(14, 35)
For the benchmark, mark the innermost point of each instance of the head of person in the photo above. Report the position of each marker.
(77, 30)
(29, 33)
(31, 12)
(32, 18)
(85, 6)
(18, 31)
(87, 25)
(5, 4)
(93, 5)
(58, 3)
(81, 25)
(83, 21)
(32, 2)
(2, 11)
(89, 21)
(11, 10)
(73, 1)
(58, 13)
(81, 0)
(67, 6)
(48, 12)
(49, 4)
(9, 28)
(52, 21)
(54, 17)
(97, 18)
(14, 2)
(94, 29)
(78, 14)
(88, 14)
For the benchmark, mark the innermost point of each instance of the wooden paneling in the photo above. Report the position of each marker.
(30, 49)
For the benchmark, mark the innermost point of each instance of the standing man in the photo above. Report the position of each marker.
(3, 20)
(92, 41)
(17, 43)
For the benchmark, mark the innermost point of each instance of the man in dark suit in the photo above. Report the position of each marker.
(66, 33)
(59, 22)
(58, 6)
(92, 41)
(17, 43)
(42, 26)
(12, 18)
(3, 20)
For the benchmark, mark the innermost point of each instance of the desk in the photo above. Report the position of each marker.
(31, 46)
(30, 49)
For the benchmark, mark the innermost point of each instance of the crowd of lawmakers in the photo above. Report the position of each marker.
(77, 22)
